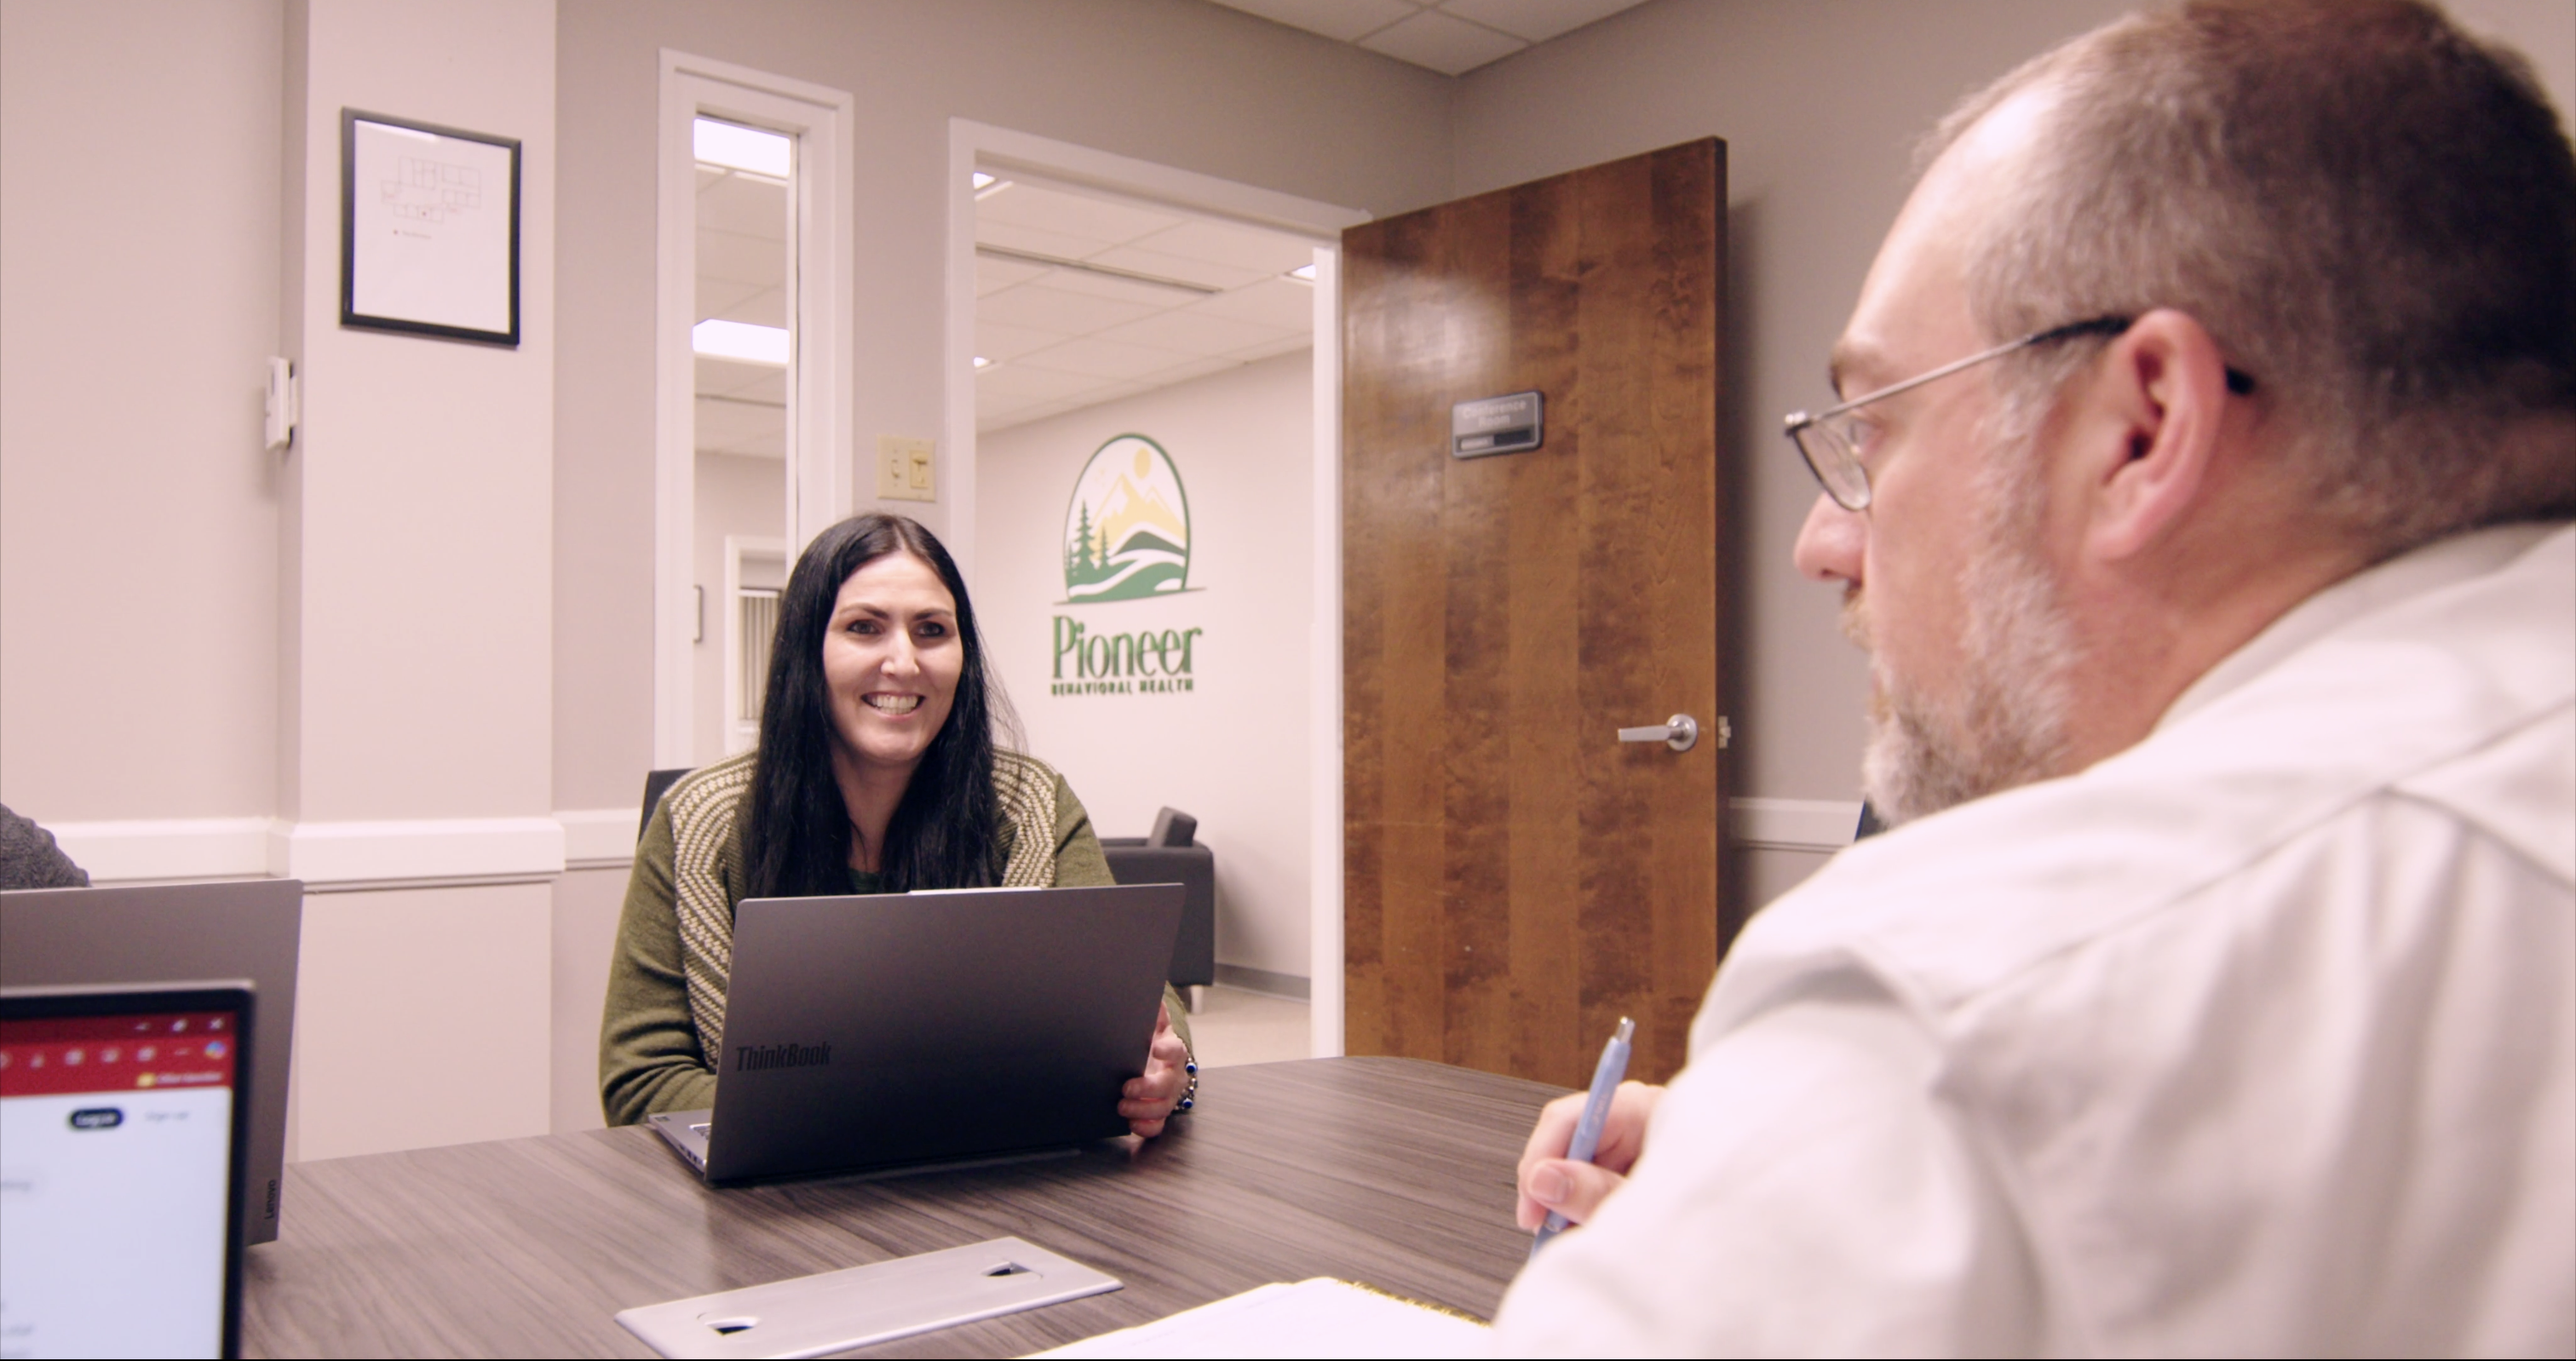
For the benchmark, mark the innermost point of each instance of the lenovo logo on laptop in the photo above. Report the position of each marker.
(753, 1058)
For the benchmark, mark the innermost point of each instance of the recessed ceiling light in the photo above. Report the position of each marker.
(1303, 272)
(736, 147)
(982, 363)
(740, 340)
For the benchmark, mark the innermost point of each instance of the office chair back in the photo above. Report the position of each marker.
(656, 784)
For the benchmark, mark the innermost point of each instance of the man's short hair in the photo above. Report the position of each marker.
(2373, 213)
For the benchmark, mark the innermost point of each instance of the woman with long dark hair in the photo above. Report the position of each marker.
(876, 772)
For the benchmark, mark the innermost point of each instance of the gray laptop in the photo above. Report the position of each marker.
(167, 933)
(872, 1032)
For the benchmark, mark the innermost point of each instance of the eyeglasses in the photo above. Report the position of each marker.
(1830, 439)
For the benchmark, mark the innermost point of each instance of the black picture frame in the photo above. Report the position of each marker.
(350, 316)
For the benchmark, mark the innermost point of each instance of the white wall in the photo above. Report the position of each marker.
(139, 214)
(1233, 751)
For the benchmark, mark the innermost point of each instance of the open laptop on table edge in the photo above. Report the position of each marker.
(901, 1032)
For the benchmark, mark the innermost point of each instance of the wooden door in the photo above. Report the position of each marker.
(1516, 878)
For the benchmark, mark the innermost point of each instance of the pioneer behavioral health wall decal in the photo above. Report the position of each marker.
(1126, 537)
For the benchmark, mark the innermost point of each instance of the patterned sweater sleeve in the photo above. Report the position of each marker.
(649, 1057)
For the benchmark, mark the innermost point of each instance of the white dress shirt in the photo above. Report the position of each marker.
(2259, 1037)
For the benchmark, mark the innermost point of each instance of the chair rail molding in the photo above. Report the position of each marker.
(343, 856)
(597, 838)
(1793, 824)
(327, 856)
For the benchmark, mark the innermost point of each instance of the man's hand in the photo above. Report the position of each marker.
(1149, 1099)
(1551, 1181)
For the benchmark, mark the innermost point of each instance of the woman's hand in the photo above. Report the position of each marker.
(1149, 1099)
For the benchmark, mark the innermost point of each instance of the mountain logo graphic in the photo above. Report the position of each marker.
(1127, 530)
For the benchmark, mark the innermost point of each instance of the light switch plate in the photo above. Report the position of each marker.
(907, 469)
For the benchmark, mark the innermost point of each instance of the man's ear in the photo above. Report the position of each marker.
(2154, 411)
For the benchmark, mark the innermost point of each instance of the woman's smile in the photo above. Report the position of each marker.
(893, 706)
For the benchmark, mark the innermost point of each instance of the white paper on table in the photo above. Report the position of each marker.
(1320, 1317)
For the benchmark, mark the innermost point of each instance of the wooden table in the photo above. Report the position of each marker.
(1394, 1172)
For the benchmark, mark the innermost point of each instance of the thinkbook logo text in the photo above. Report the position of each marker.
(752, 1058)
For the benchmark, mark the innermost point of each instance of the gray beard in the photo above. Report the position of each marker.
(2004, 724)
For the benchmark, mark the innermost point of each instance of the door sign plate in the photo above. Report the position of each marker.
(1495, 425)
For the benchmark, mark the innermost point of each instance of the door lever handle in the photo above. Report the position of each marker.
(1679, 732)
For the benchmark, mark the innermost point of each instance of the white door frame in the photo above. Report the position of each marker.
(976, 146)
(821, 232)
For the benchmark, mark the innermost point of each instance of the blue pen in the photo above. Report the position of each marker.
(1596, 1111)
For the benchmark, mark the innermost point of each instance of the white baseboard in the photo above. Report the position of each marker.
(1794, 824)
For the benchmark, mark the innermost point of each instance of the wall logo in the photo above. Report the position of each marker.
(1126, 537)
(1127, 530)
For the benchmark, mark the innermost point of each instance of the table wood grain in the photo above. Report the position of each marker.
(1394, 1172)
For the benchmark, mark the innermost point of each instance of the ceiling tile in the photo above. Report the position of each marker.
(1053, 309)
(1274, 302)
(1536, 20)
(741, 427)
(1269, 349)
(1036, 240)
(740, 203)
(1339, 20)
(992, 276)
(1224, 243)
(743, 259)
(1109, 224)
(716, 296)
(1449, 46)
(727, 378)
(1137, 291)
(1027, 384)
(763, 307)
(1100, 358)
(1192, 332)
(1161, 266)
(993, 340)
(1196, 368)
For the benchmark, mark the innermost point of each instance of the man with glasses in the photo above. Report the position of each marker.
(2200, 489)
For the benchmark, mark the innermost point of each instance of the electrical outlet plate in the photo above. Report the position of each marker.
(907, 469)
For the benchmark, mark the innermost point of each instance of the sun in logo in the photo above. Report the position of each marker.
(1127, 530)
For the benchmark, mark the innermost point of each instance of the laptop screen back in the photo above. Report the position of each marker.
(118, 1122)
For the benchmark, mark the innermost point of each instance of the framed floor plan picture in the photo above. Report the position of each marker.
(429, 229)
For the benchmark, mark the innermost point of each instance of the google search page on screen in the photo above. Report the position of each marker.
(115, 1166)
